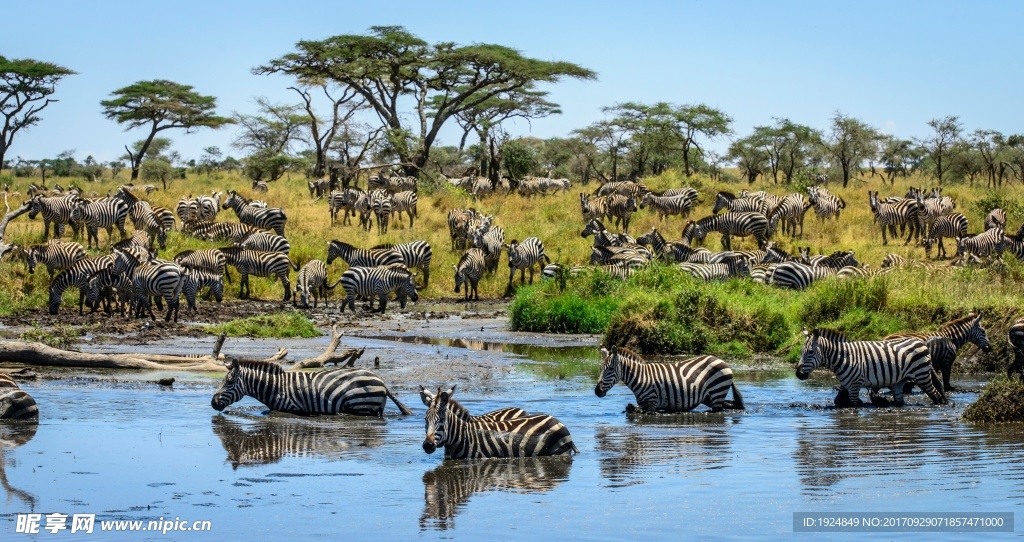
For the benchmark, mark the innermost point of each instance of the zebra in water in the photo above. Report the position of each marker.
(989, 243)
(330, 391)
(312, 282)
(1015, 335)
(672, 386)
(56, 211)
(56, 255)
(260, 264)
(621, 209)
(361, 257)
(499, 415)
(415, 255)
(729, 267)
(265, 241)
(77, 276)
(959, 332)
(523, 256)
(266, 218)
(826, 205)
(666, 206)
(952, 226)
(996, 218)
(15, 403)
(405, 202)
(593, 207)
(197, 279)
(468, 272)
(382, 204)
(158, 278)
(450, 425)
(378, 282)
(728, 224)
(113, 290)
(868, 364)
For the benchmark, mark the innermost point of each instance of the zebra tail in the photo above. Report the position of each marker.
(737, 398)
(405, 411)
(294, 265)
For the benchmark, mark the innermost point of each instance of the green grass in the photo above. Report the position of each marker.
(278, 325)
(1002, 401)
(61, 336)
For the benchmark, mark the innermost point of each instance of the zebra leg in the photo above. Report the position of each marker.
(287, 286)
(383, 302)
(897, 394)
(924, 381)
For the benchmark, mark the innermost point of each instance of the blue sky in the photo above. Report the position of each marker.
(894, 65)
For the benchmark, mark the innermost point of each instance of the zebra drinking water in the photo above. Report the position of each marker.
(15, 403)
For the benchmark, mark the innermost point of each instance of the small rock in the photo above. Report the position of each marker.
(166, 381)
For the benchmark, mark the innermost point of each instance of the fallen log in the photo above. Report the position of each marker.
(11, 215)
(345, 359)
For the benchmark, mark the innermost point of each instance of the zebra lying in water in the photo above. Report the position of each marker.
(15, 404)
(673, 386)
(330, 391)
(464, 436)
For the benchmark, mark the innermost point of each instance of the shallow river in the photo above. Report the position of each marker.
(132, 450)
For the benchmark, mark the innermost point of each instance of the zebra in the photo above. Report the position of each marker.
(593, 207)
(361, 257)
(959, 332)
(382, 204)
(499, 415)
(267, 219)
(144, 217)
(208, 259)
(791, 213)
(344, 390)
(450, 425)
(931, 208)
(621, 209)
(996, 218)
(458, 226)
(139, 239)
(728, 224)
(672, 386)
(798, 276)
(623, 188)
(196, 279)
(673, 251)
(258, 203)
(951, 225)
(184, 210)
(523, 256)
(138, 191)
(530, 186)
(405, 202)
(260, 264)
(265, 241)
(160, 278)
(623, 256)
(734, 266)
(319, 187)
(221, 231)
(868, 364)
(77, 275)
(104, 213)
(667, 206)
(481, 187)
(209, 206)
(378, 282)
(415, 254)
(15, 403)
(749, 204)
(348, 201)
(56, 210)
(57, 255)
(838, 259)
(492, 241)
(904, 213)
(826, 205)
(991, 242)
(312, 281)
(468, 272)
(260, 186)
(1015, 336)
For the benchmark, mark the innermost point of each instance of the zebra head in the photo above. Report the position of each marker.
(230, 391)
(36, 206)
(978, 335)
(721, 202)
(593, 227)
(694, 232)
(92, 293)
(407, 290)
(436, 418)
(610, 371)
(31, 257)
(649, 238)
(460, 278)
(234, 200)
(811, 356)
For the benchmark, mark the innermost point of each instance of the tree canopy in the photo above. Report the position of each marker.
(25, 89)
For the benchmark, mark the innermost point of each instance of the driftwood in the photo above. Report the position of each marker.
(345, 359)
(11, 215)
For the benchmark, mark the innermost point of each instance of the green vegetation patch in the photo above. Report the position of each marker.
(1002, 401)
(62, 337)
(279, 325)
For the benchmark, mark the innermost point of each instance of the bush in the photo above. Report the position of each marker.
(280, 325)
(1002, 401)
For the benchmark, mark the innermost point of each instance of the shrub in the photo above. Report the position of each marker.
(1002, 401)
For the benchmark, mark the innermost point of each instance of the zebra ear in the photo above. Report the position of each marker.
(604, 353)
(806, 333)
(426, 396)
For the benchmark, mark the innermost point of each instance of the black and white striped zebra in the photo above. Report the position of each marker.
(55, 210)
(378, 283)
(951, 226)
(996, 218)
(749, 204)
(731, 267)
(468, 272)
(209, 206)
(329, 391)
(184, 210)
(673, 251)
(728, 224)
(458, 226)
(523, 256)
(931, 208)
(621, 209)
(492, 242)
(160, 278)
(208, 259)
(988, 243)
(15, 403)
(672, 386)
(826, 205)
(145, 218)
(318, 187)
(362, 257)
(450, 425)
(790, 212)
(959, 332)
(666, 206)
(265, 241)
(415, 255)
(904, 213)
(197, 279)
(260, 186)
(799, 276)
(260, 264)
(76, 276)
(593, 207)
(312, 282)
(405, 202)
(1015, 336)
(869, 364)
(383, 205)
(267, 219)
(113, 289)
(231, 232)
(56, 255)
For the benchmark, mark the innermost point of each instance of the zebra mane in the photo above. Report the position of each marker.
(271, 367)
(829, 334)
(460, 411)
(728, 195)
(958, 321)
(386, 245)
(462, 259)
(341, 244)
(632, 355)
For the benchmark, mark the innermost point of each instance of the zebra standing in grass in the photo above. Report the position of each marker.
(77, 275)
(932, 207)
(458, 226)
(959, 332)
(749, 204)
(450, 426)
(159, 278)
(996, 218)
(267, 219)
(209, 206)
(826, 205)
(666, 206)
(621, 209)
(492, 241)
(415, 255)
(184, 210)
(382, 204)
(15, 403)
(145, 218)
(329, 391)
(673, 386)
(798, 276)
(56, 210)
(260, 264)
(207, 259)
(989, 243)
(361, 257)
(468, 272)
(378, 282)
(1015, 335)
(56, 255)
(312, 281)
(904, 213)
(197, 279)
(869, 364)
(523, 256)
(952, 226)
(791, 213)
(733, 266)
(728, 224)
(673, 251)
(265, 241)
(260, 186)
(405, 202)
(593, 207)
(232, 232)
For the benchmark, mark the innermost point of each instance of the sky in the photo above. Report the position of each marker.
(893, 65)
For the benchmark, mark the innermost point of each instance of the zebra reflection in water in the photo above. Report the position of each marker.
(680, 444)
(266, 441)
(12, 435)
(447, 488)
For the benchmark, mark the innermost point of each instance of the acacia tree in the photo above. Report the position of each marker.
(750, 157)
(651, 132)
(322, 131)
(25, 89)
(698, 120)
(849, 143)
(390, 67)
(160, 105)
(943, 144)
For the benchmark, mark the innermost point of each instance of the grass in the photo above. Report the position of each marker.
(61, 336)
(1002, 401)
(280, 325)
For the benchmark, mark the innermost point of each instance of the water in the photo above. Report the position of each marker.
(132, 450)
